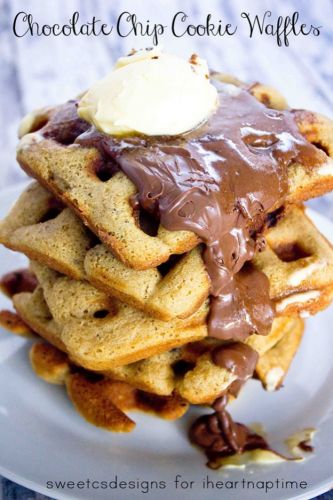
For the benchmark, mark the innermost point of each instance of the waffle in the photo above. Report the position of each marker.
(273, 366)
(163, 374)
(63, 243)
(206, 381)
(104, 202)
(14, 324)
(100, 332)
(294, 246)
(49, 363)
(102, 402)
(298, 263)
(47, 231)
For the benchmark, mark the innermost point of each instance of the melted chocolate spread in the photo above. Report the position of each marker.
(22, 280)
(306, 446)
(220, 436)
(238, 358)
(219, 181)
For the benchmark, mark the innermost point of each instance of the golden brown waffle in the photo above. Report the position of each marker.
(46, 231)
(177, 369)
(199, 383)
(99, 332)
(34, 311)
(63, 243)
(90, 399)
(49, 363)
(93, 402)
(273, 366)
(71, 173)
(101, 401)
(205, 382)
(298, 263)
(13, 323)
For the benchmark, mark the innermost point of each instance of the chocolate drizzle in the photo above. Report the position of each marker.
(243, 307)
(306, 446)
(220, 436)
(238, 358)
(22, 280)
(64, 125)
(219, 181)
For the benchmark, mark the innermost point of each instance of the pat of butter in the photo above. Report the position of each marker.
(151, 93)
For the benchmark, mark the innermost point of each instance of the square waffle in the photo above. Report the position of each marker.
(160, 374)
(273, 366)
(100, 332)
(294, 248)
(101, 401)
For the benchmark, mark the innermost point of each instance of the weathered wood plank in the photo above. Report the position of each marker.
(11, 105)
(70, 64)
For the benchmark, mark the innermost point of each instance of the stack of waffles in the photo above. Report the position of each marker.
(120, 307)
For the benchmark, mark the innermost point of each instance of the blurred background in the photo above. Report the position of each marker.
(38, 71)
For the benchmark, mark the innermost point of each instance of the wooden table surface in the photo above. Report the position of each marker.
(38, 71)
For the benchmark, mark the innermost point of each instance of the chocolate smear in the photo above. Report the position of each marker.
(22, 280)
(219, 436)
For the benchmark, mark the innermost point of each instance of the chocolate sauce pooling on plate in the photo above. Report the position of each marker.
(217, 434)
(219, 181)
(220, 436)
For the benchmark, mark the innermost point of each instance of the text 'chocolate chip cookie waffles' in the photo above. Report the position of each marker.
(171, 258)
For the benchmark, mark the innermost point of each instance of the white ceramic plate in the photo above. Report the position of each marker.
(42, 438)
